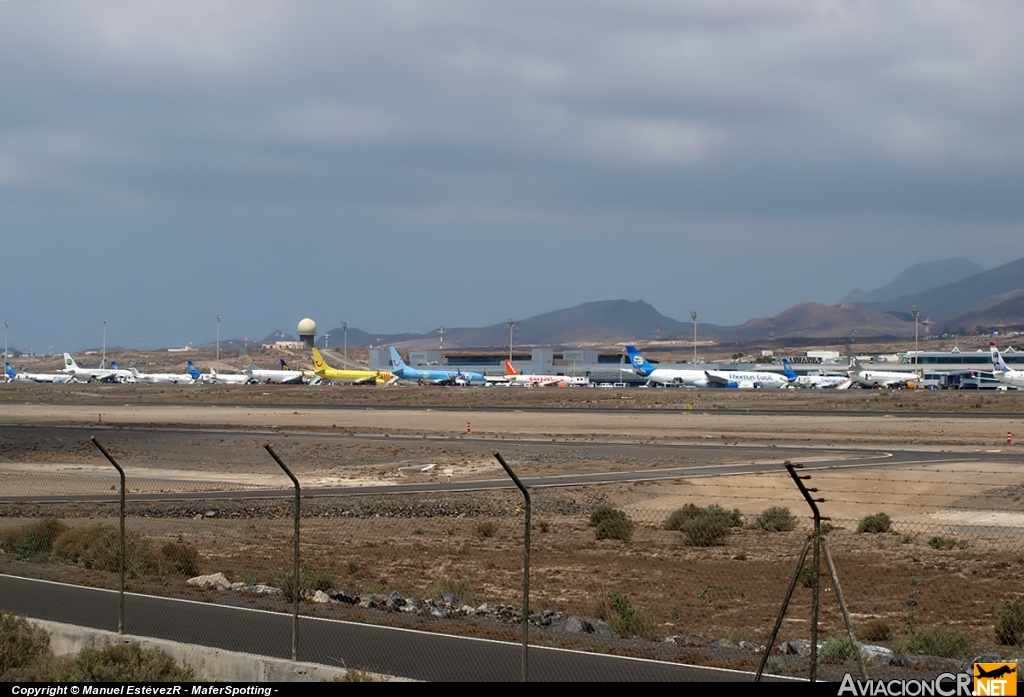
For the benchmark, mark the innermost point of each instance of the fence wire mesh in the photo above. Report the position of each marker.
(693, 571)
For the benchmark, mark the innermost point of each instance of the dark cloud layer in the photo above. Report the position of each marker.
(403, 165)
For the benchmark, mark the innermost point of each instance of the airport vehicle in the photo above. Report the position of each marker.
(665, 376)
(878, 378)
(514, 377)
(11, 375)
(434, 377)
(1002, 372)
(99, 374)
(356, 377)
(284, 376)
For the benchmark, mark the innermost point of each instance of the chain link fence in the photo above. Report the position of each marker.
(613, 569)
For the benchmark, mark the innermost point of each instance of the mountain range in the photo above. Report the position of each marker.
(953, 295)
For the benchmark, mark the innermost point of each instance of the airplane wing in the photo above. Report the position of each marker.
(716, 378)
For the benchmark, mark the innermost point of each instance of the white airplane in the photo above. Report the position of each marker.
(215, 378)
(99, 374)
(665, 376)
(284, 376)
(514, 377)
(10, 375)
(878, 378)
(1002, 372)
(164, 378)
(819, 381)
(748, 380)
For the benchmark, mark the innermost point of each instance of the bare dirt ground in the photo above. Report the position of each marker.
(179, 439)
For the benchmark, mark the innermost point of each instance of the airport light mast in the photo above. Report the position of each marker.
(7, 326)
(103, 361)
(511, 328)
(218, 343)
(917, 356)
(344, 328)
(693, 315)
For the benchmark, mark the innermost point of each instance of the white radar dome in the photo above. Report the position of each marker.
(307, 326)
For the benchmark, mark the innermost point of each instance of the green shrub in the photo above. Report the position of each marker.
(875, 630)
(617, 611)
(180, 559)
(123, 663)
(776, 519)
(806, 576)
(878, 522)
(938, 641)
(22, 645)
(1010, 622)
(948, 543)
(32, 541)
(617, 526)
(599, 514)
(99, 547)
(678, 519)
(838, 647)
(705, 531)
(774, 666)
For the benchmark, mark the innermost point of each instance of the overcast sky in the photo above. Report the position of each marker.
(405, 165)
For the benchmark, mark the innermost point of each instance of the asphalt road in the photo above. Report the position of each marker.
(401, 652)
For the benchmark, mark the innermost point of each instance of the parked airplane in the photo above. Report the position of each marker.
(284, 376)
(356, 377)
(514, 377)
(213, 377)
(436, 377)
(100, 374)
(164, 378)
(665, 376)
(754, 379)
(877, 378)
(11, 375)
(819, 381)
(1002, 372)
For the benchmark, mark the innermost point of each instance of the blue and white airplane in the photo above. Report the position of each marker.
(435, 377)
(11, 375)
(665, 376)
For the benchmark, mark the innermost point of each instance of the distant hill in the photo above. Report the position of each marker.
(954, 299)
(918, 278)
(1005, 314)
(818, 321)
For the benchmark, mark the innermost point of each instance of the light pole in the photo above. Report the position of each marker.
(917, 357)
(103, 361)
(344, 328)
(511, 328)
(7, 326)
(218, 343)
(693, 314)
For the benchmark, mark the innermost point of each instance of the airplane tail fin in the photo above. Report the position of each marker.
(9, 371)
(997, 359)
(787, 371)
(113, 365)
(193, 371)
(509, 368)
(639, 363)
(69, 362)
(246, 361)
(284, 365)
(854, 363)
(396, 360)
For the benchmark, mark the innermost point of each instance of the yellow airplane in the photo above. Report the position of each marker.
(356, 377)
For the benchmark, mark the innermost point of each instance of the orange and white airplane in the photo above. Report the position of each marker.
(514, 377)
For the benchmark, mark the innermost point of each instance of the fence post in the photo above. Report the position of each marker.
(120, 472)
(295, 571)
(526, 567)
